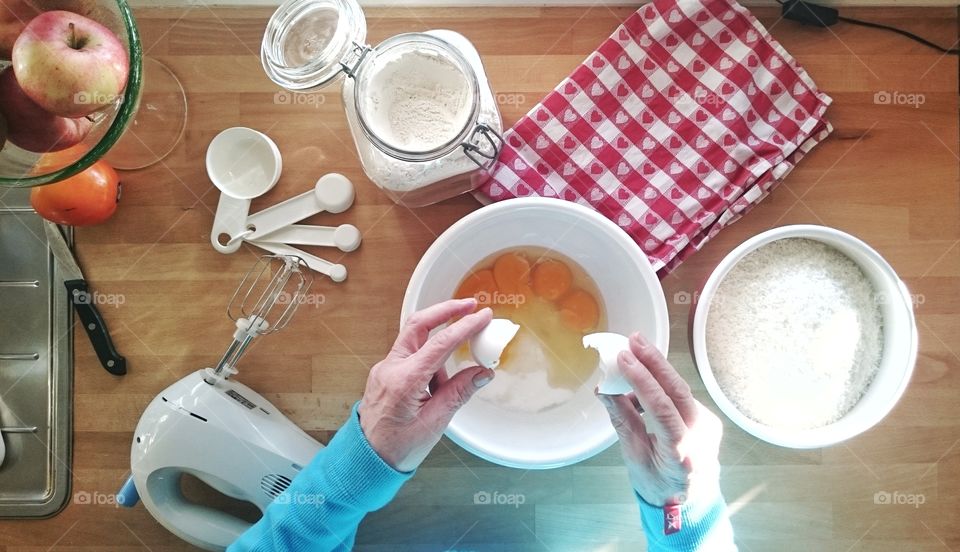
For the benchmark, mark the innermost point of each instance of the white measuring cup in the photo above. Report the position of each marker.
(243, 164)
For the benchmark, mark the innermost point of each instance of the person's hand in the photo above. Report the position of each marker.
(401, 419)
(671, 448)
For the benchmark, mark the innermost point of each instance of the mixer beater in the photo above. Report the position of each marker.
(276, 282)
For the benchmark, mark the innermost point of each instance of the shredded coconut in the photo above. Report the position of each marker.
(794, 334)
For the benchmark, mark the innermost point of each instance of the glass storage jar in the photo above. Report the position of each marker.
(421, 112)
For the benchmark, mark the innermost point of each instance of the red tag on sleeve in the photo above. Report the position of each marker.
(671, 519)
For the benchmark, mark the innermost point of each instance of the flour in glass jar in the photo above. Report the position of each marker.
(419, 101)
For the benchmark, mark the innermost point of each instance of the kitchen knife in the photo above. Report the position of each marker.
(83, 302)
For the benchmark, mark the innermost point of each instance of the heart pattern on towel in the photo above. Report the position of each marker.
(672, 128)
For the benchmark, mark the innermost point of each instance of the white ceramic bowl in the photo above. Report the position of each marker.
(899, 341)
(631, 295)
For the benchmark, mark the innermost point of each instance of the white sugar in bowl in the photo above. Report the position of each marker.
(896, 357)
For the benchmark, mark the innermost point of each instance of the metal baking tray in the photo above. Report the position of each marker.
(36, 361)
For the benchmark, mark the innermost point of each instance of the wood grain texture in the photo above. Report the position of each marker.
(888, 174)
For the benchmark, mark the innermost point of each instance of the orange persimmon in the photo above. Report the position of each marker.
(87, 198)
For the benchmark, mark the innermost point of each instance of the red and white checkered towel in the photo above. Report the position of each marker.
(680, 122)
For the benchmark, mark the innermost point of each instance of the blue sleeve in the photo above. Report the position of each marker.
(704, 526)
(326, 502)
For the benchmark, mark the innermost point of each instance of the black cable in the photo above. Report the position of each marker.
(920, 39)
(824, 16)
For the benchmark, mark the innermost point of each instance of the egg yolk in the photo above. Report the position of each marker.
(579, 310)
(545, 296)
(480, 285)
(551, 279)
(512, 274)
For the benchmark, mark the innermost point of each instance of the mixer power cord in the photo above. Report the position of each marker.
(825, 16)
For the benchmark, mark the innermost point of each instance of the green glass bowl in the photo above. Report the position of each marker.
(18, 167)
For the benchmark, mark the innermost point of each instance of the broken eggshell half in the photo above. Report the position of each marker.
(488, 345)
(609, 346)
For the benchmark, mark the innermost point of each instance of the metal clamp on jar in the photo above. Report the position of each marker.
(421, 111)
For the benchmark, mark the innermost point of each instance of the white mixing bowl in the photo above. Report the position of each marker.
(899, 341)
(631, 296)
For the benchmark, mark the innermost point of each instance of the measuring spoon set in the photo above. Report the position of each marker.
(244, 164)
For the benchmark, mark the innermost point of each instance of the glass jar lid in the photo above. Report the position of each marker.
(417, 98)
(308, 42)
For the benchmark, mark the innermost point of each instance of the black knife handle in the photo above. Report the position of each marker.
(83, 302)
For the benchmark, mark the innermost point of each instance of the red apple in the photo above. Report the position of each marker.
(70, 65)
(14, 16)
(30, 126)
(3, 132)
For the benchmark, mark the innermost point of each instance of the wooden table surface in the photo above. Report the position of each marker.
(888, 174)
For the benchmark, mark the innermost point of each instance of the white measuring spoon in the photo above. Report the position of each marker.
(345, 237)
(336, 272)
(243, 164)
(333, 193)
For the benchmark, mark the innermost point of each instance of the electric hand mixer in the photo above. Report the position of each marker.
(219, 430)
